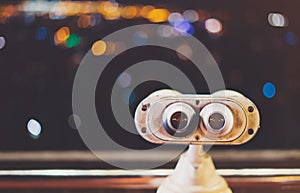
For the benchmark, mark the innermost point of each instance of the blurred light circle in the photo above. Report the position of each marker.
(34, 128)
(111, 48)
(130, 12)
(186, 50)
(277, 20)
(191, 30)
(41, 33)
(99, 48)
(124, 80)
(146, 10)
(128, 96)
(96, 19)
(140, 38)
(269, 90)
(190, 15)
(291, 38)
(72, 41)
(175, 19)
(158, 15)
(74, 121)
(29, 18)
(164, 31)
(84, 21)
(111, 10)
(213, 25)
(2, 42)
(61, 35)
(183, 27)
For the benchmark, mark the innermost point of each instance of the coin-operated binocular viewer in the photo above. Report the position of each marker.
(223, 118)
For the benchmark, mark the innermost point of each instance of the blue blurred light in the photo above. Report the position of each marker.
(175, 19)
(41, 33)
(269, 90)
(183, 27)
(191, 30)
(140, 38)
(52, 42)
(29, 19)
(129, 96)
(290, 38)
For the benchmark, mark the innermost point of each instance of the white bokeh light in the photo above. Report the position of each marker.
(34, 127)
(2, 42)
(213, 25)
(74, 121)
(186, 50)
(124, 80)
(277, 20)
(190, 15)
(175, 19)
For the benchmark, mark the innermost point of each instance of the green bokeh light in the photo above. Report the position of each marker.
(72, 41)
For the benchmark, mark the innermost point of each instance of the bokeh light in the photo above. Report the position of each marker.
(158, 15)
(99, 48)
(165, 31)
(72, 41)
(84, 21)
(29, 18)
(185, 28)
(190, 15)
(269, 90)
(110, 10)
(184, 51)
(61, 35)
(140, 38)
(213, 25)
(175, 19)
(119, 46)
(144, 12)
(2, 42)
(277, 20)
(6, 12)
(124, 80)
(34, 128)
(74, 121)
(41, 33)
(59, 11)
(291, 38)
(129, 96)
(130, 12)
(111, 48)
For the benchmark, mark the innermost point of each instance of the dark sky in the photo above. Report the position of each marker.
(37, 77)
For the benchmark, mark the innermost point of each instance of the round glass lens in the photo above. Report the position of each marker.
(179, 120)
(216, 121)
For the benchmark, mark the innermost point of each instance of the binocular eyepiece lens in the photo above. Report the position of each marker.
(216, 121)
(179, 120)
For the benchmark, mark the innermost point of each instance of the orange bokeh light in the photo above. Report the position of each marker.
(84, 21)
(130, 12)
(99, 48)
(110, 11)
(158, 15)
(61, 35)
(146, 10)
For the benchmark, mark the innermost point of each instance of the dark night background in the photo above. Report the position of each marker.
(37, 75)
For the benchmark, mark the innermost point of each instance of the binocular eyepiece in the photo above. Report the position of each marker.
(220, 118)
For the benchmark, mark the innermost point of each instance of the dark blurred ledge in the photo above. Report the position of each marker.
(146, 184)
(87, 160)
